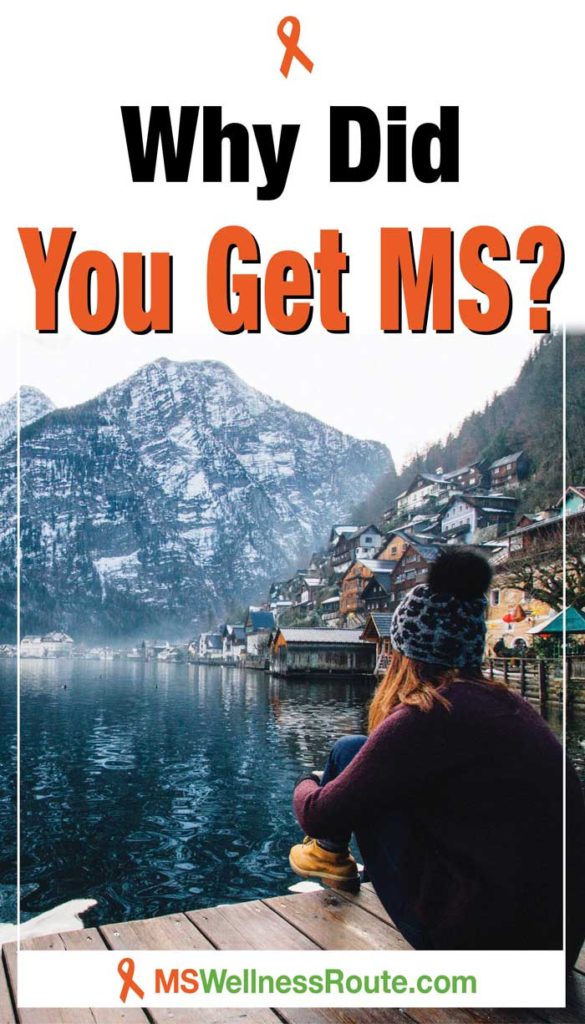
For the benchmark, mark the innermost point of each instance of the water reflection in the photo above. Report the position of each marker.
(152, 787)
(158, 787)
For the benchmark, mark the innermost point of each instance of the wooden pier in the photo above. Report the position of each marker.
(315, 920)
(541, 680)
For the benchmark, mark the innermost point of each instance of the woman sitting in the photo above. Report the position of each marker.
(456, 795)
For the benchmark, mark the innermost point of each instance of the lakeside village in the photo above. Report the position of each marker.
(333, 618)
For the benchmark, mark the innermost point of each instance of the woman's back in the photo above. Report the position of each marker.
(458, 813)
(484, 862)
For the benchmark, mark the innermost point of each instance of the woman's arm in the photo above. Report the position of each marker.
(400, 757)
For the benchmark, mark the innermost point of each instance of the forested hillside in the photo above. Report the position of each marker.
(528, 415)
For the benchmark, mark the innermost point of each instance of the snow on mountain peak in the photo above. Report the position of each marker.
(33, 404)
(175, 494)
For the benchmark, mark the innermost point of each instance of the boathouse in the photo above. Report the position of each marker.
(325, 652)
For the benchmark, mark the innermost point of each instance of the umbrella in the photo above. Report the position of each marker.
(573, 621)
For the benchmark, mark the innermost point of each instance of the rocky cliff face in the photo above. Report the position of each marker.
(172, 496)
(33, 405)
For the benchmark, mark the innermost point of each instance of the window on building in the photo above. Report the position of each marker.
(495, 597)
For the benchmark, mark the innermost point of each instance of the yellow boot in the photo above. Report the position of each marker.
(309, 860)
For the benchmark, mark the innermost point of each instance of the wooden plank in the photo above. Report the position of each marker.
(426, 1015)
(6, 1008)
(250, 925)
(473, 1015)
(81, 938)
(559, 1016)
(503, 1016)
(341, 1015)
(43, 1015)
(173, 931)
(323, 919)
(176, 931)
(436, 1015)
(42, 942)
(213, 1015)
(90, 938)
(334, 923)
(366, 898)
(253, 925)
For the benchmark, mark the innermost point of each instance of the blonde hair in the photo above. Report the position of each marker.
(417, 683)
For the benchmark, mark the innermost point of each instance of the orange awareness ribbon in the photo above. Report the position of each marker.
(291, 50)
(126, 972)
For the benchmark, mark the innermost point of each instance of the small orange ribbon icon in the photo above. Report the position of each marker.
(126, 972)
(291, 50)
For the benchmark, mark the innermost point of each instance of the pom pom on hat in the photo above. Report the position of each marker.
(460, 573)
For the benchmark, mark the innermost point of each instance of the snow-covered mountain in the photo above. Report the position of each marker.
(174, 495)
(33, 405)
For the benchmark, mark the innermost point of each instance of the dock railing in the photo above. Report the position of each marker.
(541, 679)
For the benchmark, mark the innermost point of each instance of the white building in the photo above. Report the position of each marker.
(51, 645)
(211, 646)
(465, 515)
(234, 644)
(330, 610)
(424, 487)
(363, 543)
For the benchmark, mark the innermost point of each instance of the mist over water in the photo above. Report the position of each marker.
(156, 788)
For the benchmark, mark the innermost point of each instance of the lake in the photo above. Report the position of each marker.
(154, 788)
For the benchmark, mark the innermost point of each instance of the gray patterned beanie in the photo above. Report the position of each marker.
(443, 620)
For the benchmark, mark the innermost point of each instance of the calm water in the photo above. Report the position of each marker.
(158, 787)
(153, 788)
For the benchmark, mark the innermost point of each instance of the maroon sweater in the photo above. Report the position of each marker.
(480, 787)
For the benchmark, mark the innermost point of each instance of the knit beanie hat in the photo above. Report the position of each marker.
(443, 620)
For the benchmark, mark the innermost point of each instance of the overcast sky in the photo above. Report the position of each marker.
(403, 391)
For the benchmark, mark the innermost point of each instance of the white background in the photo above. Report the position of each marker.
(514, 69)
(82, 978)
